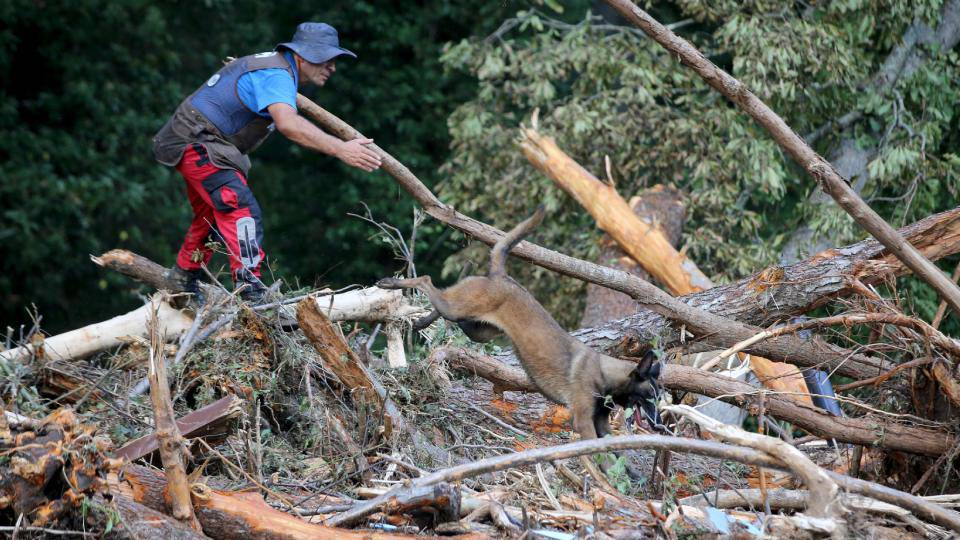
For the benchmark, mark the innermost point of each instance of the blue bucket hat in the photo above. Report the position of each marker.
(316, 43)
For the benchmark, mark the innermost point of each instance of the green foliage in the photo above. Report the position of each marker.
(603, 91)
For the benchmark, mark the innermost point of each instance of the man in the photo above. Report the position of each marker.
(210, 134)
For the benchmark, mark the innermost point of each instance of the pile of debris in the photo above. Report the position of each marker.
(298, 433)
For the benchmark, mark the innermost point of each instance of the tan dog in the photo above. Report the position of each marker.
(563, 369)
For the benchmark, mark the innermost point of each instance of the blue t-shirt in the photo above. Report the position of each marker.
(264, 87)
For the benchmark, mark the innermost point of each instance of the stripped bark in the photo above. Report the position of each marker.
(768, 298)
(820, 169)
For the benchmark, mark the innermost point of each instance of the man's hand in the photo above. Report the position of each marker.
(356, 154)
(301, 131)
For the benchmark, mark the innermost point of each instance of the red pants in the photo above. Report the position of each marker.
(224, 209)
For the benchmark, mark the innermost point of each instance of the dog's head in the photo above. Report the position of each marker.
(643, 391)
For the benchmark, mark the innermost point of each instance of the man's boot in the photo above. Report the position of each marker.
(253, 292)
(190, 281)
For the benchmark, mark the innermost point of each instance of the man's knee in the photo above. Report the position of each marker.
(228, 192)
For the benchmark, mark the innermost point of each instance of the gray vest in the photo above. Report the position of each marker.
(214, 104)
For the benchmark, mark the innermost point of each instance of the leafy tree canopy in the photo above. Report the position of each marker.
(604, 90)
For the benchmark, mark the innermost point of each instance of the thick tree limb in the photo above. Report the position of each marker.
(820, 169)
(714, 329)
(866, 431)
(104, 335)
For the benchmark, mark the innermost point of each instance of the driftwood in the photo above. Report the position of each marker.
(171, 445)
(820, 169)
(760, 301)
(824, 501)
(867, 431)
(212, 422)
(229, 515)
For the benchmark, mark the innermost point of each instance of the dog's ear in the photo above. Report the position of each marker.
(647, 368)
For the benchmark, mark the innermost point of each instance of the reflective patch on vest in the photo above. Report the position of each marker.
(265, 54)
(213, 80)
(247, 238)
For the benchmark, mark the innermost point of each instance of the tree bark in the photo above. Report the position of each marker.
(868, 430)
(820, 169)
(713, 329)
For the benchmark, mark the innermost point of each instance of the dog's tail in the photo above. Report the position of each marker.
(498, 255)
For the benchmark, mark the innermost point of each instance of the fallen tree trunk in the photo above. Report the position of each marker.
(761, 301)
(230, 515)
(779, 292)
(104, 335)
(647, 245)
(818, 168)
(868, 431)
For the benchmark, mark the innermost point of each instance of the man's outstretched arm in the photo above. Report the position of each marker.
(301, 131)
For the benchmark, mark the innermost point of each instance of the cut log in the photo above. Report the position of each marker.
(213, 423)
(873, 431)
(647, 244)
(105, 335)
(661, 208)
(230, 515)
